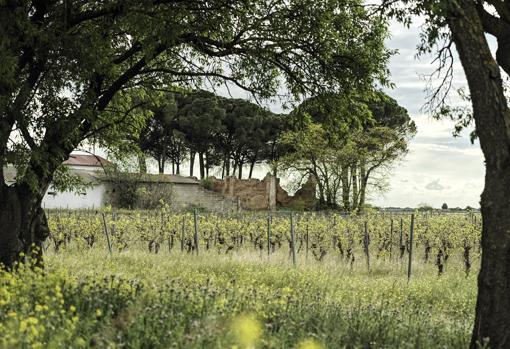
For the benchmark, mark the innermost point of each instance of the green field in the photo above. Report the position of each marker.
(135, 299)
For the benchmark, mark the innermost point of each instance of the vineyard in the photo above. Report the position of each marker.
(410, 238)
(146, 279)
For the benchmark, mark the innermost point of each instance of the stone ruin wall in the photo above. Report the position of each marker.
(256, 194)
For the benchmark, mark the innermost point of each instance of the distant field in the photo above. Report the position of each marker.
(154, 292)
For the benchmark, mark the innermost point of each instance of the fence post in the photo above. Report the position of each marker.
(410, 248)
(401, 240)
(106, 233)
(196, 229)
(182, 232)
(391, 236)
(268, 235)
(366, 243)
(307, 239)
(292, 240)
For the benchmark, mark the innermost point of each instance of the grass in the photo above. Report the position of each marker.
(139, 300)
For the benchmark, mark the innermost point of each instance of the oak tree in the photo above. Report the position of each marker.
(67, 68)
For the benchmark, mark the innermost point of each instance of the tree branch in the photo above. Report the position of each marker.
(491, 24)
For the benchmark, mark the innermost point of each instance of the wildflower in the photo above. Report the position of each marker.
(247, 330)
(309, 344)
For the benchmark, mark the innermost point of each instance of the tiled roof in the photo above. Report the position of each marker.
(86, 176)
(86, 160)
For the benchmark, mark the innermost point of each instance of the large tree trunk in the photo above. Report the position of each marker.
(492, 118)
(227, 165)
(252, 166)
(207, 164)
(23, 222)
(234, 167)
(161, 165)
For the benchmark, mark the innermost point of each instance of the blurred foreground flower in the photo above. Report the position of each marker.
(309, 344)
(247, 330)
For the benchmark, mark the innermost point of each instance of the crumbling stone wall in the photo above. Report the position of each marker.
(256, 194)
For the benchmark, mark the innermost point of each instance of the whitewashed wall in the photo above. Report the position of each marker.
(93, 198)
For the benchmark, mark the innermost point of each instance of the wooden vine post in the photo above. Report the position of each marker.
(268, 235)
(366, 243)
(307, 239)
(106, 233)
(292, 239)
(195, 223)
(411, 238)
(182, 232)
(391, 236)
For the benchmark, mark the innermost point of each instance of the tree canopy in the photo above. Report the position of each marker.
(70, 69)
(224, 132)
(344, 142)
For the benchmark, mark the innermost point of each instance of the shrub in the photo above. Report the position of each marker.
(138, 191)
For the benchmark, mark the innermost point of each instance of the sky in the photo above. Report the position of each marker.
(439, 168)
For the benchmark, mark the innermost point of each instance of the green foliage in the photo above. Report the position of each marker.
(138, 191)
(139, 300)
(221, 130)
(75, 72)
(424, 207)
(66, 181)
(347, 142)
(206, 183)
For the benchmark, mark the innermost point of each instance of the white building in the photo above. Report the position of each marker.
(89, 167)
(186, 192)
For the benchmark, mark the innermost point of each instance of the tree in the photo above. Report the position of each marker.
(200, 119)
(377, 148)
(465, 23)
(360, 136)
(247, 130)
(274, 149)
(340, 116)
(67, 67)
(312, 155)
(383, 141)
(444, 206)
(425, 207)
(160, 138)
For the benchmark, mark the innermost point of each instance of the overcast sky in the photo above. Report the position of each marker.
(439, 168)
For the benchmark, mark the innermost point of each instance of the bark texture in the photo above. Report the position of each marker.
(492, 118)
(23, 225)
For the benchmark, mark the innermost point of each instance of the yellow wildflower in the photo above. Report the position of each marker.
(247, 330)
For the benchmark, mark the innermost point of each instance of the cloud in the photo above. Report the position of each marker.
(435, 156)
(435, 185)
